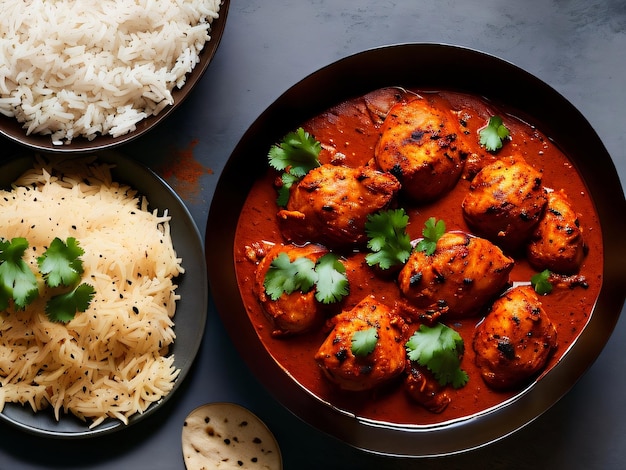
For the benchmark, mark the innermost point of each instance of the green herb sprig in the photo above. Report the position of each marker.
(432, 232)
(493, 134)
(364, 341)
(17, 281)
(439, 349)
(387, 238)
(295, 155)
(541, 282)
(328, 275)
(60, 266)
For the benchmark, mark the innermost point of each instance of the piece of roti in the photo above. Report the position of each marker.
(226, 435)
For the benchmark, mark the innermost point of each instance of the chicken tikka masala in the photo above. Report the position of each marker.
(416, 256)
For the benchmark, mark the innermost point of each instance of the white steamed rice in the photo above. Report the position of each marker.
(72, 68)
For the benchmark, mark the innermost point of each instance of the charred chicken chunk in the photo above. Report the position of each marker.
(379, 102)
(331, 203)
(293, 313)
(515, 340)
(476, 162)
(363, 372)
(458, 279)
(557, 243)
(420, 144)
(505, 202)
(422, 387)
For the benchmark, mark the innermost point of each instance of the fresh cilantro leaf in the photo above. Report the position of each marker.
(541, 282)
(449, 371)
(388, 240)
(288, 180)
(364, 342)
(328, 276)
(439, 349)
(297, 153)
(432, 232)
(17, 281)
(63, 307)
(285, 276)
(492, 135)
(61, 264)
(332, 282)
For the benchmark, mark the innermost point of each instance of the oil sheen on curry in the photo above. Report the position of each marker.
(391, 275)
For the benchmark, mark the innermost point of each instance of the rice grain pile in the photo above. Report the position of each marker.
(73, 68)
(111, 360)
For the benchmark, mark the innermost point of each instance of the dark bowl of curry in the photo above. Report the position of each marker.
(551, 134)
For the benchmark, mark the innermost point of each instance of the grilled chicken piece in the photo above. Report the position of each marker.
(458, 279)
(422, 387)
(515, 340)
(293, 313)
(476, 162)
(379, 102)
(355, 372)
(505, 202)
(422, 146)
(568, 281)
(557, 243)
(331, 203)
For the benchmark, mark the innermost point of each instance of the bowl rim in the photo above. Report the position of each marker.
(348, 77)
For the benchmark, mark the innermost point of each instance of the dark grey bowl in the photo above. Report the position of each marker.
(191, 310)
(12, 129)
(420, 66)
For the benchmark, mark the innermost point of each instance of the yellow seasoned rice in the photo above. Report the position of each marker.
(112, 360)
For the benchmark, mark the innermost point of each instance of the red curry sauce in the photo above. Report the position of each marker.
(351, 131)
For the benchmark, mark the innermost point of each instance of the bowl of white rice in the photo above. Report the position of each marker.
(84, 76)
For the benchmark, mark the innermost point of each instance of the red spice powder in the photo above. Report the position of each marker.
(183, 172)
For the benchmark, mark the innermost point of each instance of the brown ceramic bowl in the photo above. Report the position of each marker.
(12, 129)
(425, 66)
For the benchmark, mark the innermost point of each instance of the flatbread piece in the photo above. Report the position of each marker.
(227, 435)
